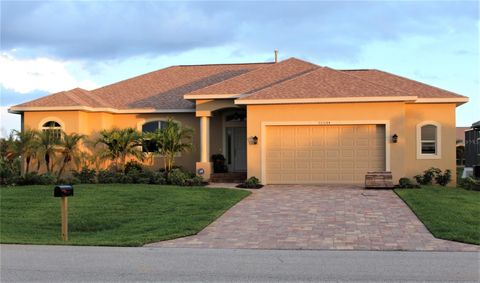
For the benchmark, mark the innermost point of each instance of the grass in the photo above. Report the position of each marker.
(449, 213)
(111, 215)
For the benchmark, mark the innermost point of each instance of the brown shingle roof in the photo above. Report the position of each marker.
(259, 78)
(162, 89)
(403, 84)
(290, 79)
(324, 82)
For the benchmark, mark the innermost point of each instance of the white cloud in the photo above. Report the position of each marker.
(39, 74)
(8, 121)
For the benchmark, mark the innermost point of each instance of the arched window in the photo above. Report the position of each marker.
(53, 128)
(428, 140)
(151, 127)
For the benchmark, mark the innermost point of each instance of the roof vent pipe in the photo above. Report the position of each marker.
(276, 55)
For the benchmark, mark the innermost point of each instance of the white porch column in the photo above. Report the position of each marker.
(204, 139)
(204, 166)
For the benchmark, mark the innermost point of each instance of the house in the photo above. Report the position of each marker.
(472, 145)
(288, 122)
(460, 137)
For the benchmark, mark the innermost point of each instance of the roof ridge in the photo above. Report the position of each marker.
(223, 64)
(73, 96)
(284, 81)
(93, 96)
(418, 82)
(246, 73)
(365, 80)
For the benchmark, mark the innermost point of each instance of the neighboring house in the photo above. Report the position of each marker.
(472, 145)
(291, 122)
(460, 138)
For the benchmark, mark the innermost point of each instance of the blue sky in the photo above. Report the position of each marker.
(52, 46)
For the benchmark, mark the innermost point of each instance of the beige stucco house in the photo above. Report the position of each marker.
(291, 122)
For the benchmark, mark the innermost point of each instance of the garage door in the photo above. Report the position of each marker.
(323, 154)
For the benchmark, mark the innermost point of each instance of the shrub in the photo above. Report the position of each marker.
(405, 183)
(47, 179)
(31, 178)
(108, 177)
(428, 176)
(86, 175)
(158, 178)
(443, 179)
(177, 177)
(470, 183)
(135, 176)
(133, 165)
(194, 181)
(9, 171)
(251, 182)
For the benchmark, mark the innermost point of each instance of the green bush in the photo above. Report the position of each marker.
(177, 177)
(135, 176)
(194, 181)
(86, 175)
(470, 183)
(427, 177)
(158, 178)
(70, 180)
(133, 165)
(9, 171)
(443, 179)
(406, 183)
(108, 177)
(251, 182)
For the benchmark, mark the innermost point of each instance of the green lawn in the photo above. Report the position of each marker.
(111, 215)
(449, 213)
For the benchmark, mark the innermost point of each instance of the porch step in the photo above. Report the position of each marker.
(233, 177)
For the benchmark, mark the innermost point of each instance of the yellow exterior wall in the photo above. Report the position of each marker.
(402, 119)
(90, 123)
(443, 114)
(393, 112)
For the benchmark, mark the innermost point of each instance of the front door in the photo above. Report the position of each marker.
(236, 149)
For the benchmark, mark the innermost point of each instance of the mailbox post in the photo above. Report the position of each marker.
(64, 191)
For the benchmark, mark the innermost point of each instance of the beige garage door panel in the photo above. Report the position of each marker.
(323, 154)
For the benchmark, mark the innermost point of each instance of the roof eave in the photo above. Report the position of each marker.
(327, 100)
(20, 109)
(210, 96)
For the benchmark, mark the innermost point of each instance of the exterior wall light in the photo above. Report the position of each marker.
(395, 138)
(253, 140)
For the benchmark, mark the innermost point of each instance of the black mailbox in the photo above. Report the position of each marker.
(63, 191)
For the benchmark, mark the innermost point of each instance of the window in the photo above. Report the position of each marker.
(428, 140)
(54, 128)
(151, 127)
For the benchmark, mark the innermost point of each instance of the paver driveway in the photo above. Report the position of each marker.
(318, 217)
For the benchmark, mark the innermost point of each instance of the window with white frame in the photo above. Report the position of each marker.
(428, 140)
(53, 128)
(151, 127)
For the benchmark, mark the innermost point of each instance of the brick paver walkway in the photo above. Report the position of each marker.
(318, 217)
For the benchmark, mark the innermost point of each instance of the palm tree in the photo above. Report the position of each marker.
(171, 140)
(47, 147)
(26, 146)
(120, 144)
(70, 150)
